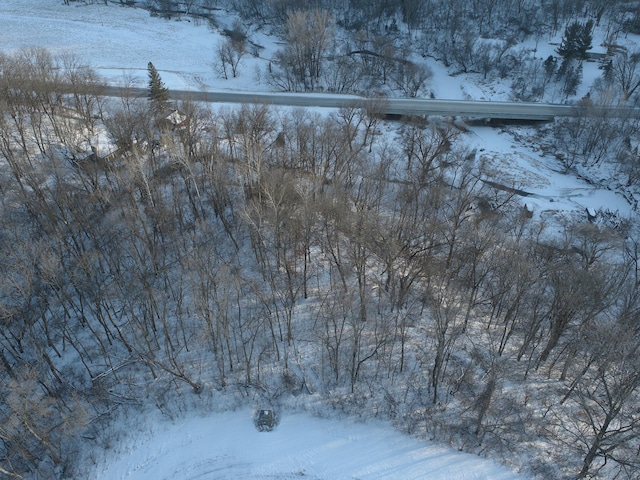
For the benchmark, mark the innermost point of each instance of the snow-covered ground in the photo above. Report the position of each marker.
(228, 446)
(119, 42)
(524, 166)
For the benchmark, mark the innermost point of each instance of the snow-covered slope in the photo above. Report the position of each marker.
(227, 446)
(119, 42)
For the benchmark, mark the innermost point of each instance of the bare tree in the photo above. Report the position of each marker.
(230, 53)
(607, 427)
(427, 149)
(36, 424)
(309, 35)
(625, 72)
(446, 328)
(411, 77)
(594, 249)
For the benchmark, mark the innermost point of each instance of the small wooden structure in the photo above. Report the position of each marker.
(173, 120)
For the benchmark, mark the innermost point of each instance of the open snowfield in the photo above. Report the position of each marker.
(228, 446)
(119, 42)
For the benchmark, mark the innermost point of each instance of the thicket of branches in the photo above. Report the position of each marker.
(380, 46)
(296, 252)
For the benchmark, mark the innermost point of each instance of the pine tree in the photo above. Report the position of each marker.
(550, 65)
(584, 39)
(576, 41)
(158, 93)
(572, 79)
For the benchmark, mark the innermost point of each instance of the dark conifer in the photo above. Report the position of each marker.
(576, 41)
(158, 93)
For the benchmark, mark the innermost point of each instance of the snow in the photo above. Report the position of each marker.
(521, 165)
(228, 446)
(119, 42)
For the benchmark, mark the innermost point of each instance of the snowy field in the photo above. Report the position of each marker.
(119, 42)
(228, 446)
(525, 167)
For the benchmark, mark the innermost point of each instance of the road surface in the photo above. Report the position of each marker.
(396, 106)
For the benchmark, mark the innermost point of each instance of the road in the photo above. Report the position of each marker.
(395, 106)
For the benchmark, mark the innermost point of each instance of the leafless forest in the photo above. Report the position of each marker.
(297, 253)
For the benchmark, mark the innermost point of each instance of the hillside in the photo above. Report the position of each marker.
(473, 286)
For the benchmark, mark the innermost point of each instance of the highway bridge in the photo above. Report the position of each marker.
(398, 106)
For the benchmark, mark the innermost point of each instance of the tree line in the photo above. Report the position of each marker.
(294, 251)
(326, 52)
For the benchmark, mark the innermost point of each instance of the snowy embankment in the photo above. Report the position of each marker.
(227, 446)
(119, 42)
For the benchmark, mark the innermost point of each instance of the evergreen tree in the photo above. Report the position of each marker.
(572, 79)
(607, 71)
(576, 41)
(158, 93)
(550, 65)
(584, 40)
